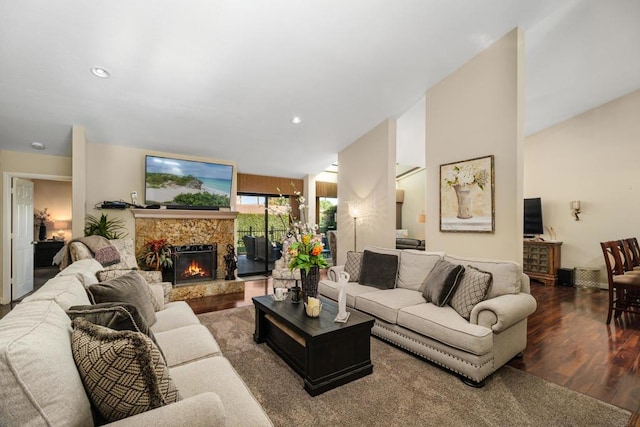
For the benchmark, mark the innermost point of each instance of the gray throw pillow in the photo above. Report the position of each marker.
(119, 316)
(379, 270)
(472, 289)
(441, 282)
(123, 372)
(353, 265)
(130, 288)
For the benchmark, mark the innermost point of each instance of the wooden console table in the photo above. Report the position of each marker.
(541, 261)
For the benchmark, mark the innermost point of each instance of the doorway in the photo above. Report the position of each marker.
(259, 233)
(58, 217)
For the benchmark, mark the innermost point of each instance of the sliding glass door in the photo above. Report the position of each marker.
(259, 234)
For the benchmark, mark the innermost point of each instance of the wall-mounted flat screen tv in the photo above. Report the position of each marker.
(187, 184)
(533, 217)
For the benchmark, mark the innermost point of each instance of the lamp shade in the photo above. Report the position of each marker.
(422, 218)
(61, 225)
(354, 211)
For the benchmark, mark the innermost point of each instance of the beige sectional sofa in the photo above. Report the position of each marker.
(495, 332)
(40, 384)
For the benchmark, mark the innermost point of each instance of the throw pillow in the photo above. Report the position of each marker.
(379, 270)
(123, 371)
(441, 282)
(353, 265)
(472, 289)
(127, 255)
(104, 275)
(119, 316)
(130, 288)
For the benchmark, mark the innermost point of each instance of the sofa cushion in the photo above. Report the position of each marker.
(379, 270)
(175, 315)
(331, 289)
(128, 288)
(36, 359)
(79, 251)
(506, 274)
(123, 371)
(66, 291)
(445, 325)
(384, 304)
(353, 265)
(83, 266)
(414, 267)
(186, 344)
(119, 316)
(441, 282)
(105, 275)
(471, 290)
(241, 407)
(127, 255)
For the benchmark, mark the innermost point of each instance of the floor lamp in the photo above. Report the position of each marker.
(353, 212)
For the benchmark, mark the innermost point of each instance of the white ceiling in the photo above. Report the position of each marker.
(223, 78)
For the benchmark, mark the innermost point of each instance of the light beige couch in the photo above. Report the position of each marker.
(40, 385)
(495, 333)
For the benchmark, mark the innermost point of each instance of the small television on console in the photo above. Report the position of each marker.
(187, 184)
(533, 217)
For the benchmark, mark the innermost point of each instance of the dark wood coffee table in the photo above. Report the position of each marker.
(324, 353)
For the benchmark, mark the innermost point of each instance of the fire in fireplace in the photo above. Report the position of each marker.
(194, 263)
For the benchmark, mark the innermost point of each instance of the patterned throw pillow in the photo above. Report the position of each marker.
(471, 290)
(441, 282)
(353, 265)
(127, 255)
(123, 371)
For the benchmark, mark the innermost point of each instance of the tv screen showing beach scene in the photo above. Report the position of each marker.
(187, 183)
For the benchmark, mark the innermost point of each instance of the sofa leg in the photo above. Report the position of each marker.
(472, 383)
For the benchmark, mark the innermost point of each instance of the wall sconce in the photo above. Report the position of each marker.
(575, 209)
(422, 218)
(354, 212)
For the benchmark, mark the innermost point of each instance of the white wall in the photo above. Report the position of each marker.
(592, 157)
(411, 135)
(367, 177)
(477, 111)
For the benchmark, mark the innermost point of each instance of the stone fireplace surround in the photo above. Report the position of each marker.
(185, 227)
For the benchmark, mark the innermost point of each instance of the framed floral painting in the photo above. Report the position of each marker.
(466, 196)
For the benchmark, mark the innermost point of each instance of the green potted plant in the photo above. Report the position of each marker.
(105, 227)
(156, 255)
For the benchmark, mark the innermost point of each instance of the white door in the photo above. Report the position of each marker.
(22, 241)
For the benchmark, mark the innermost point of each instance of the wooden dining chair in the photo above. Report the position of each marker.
(629, 258)
(623, 288)
(634, 251)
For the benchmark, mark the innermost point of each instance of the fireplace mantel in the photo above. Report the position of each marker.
(183, 214)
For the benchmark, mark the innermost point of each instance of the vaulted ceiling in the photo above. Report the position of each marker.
(224, 78)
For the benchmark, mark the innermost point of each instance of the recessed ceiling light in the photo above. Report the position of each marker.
(37, 145)
(103, 73)
(296, 120)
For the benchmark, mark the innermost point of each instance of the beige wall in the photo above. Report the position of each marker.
(23, 164)
(414, 203)
(367, 177)
(114, 171)
(592, 157)
(477, 111)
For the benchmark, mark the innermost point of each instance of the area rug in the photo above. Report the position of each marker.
(402, 391)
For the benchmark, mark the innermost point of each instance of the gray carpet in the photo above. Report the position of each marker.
(402, 391)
